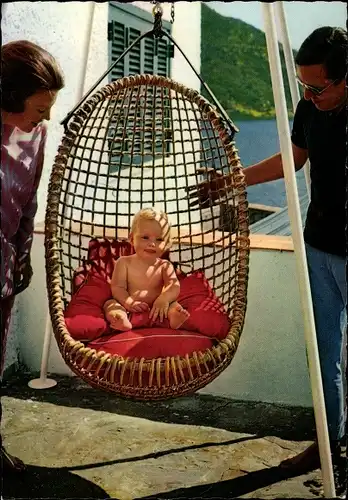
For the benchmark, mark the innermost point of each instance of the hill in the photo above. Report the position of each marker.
(234, 63)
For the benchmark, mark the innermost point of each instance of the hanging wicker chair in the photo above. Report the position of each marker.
(138, 142)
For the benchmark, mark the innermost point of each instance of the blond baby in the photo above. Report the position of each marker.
(144, 281)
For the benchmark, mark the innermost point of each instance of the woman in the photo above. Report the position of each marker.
(31, 80)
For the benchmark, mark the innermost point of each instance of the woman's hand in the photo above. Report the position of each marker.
(22, 276)
(207, 192)
(159, 309)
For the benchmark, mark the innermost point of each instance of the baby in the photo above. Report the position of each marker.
(144, 281)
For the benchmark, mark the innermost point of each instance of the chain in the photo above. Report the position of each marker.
(157, 13)
(158, 8)
(172, 13)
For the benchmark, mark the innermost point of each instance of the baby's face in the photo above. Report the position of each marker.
(149, 239)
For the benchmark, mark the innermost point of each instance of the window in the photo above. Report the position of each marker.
(126, 24)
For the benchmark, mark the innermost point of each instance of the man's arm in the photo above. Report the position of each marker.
(271, 169)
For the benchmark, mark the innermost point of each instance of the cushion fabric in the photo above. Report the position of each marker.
(85, 319)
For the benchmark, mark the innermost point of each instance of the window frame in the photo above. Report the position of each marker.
(132, 19)
(142, 21)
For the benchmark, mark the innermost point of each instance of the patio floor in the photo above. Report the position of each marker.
(79, 442)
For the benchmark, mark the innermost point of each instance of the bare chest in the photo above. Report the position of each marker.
(145, 279)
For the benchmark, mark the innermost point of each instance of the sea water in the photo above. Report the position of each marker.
(255, 141)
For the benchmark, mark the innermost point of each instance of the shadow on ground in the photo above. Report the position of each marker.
(231, 488)
(159, 454)
(260, 419)
(47, 482)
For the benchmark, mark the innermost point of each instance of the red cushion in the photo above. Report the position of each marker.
(152, 343)
(207, 313)
(103, 253)
(84, 316)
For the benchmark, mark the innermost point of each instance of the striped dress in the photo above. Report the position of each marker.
(22, 157)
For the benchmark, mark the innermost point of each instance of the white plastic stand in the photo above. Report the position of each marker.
(300, 253)
(43, 382)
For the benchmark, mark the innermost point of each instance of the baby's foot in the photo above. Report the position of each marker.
(120, 322)
(177, 315)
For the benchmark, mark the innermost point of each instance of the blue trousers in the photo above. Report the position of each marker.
(327, 274)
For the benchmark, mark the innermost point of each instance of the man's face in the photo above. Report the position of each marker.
(315, 76)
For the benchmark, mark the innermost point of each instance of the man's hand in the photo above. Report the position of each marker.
(159, 309)
(207, 192)
(22, 276)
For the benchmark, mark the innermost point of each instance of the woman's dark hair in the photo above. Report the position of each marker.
(327, 46)
(26, 69)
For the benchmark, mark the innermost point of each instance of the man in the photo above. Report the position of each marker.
(319, 133)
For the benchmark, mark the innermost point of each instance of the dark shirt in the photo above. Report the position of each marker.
(323, 134)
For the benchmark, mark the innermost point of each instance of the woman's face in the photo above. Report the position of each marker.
(37, 107)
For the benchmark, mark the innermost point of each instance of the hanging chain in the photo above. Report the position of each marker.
(157, 13)
(158, 8)
(172, 14)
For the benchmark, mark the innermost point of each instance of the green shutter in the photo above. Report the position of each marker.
(162, 57)
(118, 46)
(134, 56)
(149, 54)
(126, 24)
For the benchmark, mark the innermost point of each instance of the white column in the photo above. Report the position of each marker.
(302, 270)
(43, 382)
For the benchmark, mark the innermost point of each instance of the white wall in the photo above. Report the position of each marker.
(270, 363)
(31, 316)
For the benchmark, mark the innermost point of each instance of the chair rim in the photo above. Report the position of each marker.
(87, 362)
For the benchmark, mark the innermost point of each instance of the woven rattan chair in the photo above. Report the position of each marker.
(138, 142)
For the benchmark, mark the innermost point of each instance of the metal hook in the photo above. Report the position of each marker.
(158, 9)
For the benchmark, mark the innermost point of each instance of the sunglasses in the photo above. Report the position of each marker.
(315, 90)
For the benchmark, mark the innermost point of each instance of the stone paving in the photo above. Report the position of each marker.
(79, 442)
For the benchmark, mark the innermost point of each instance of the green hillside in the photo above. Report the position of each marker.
(235, 65)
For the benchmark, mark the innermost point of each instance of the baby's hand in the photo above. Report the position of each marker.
(159, 309)
(136, 305)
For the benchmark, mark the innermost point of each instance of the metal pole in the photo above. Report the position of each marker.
(43, 382)
(302, 270)
(291, 71)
